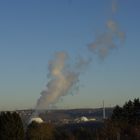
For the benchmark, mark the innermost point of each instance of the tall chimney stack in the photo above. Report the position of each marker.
(104, 115)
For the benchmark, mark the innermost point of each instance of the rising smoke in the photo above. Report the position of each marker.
(61, 81)
(107, 40)
(110, 39)
(63, 78)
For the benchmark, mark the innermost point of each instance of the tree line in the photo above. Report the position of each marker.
(124, 124)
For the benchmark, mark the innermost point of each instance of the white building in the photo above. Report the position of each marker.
(36, 119)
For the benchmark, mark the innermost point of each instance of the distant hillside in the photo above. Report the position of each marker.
(75, 113)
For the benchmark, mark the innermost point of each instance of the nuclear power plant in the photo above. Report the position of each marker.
(68, 116)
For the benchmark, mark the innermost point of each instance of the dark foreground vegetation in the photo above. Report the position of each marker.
(124, 124)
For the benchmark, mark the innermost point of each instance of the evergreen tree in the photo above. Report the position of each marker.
(129, 112)
(124, 122)
(11, 127)
(117, 113)
(43, 131)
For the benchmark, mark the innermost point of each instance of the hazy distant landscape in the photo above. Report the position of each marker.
(116, 123)
(60, 116)
(69, 70)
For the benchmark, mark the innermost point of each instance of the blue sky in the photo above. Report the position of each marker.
(31, 31)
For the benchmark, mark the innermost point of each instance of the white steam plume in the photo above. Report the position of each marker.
(61, 81)
(63, 78)
(114, 6)
(109, 39)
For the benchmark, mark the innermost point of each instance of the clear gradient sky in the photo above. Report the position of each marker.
(31, 31)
